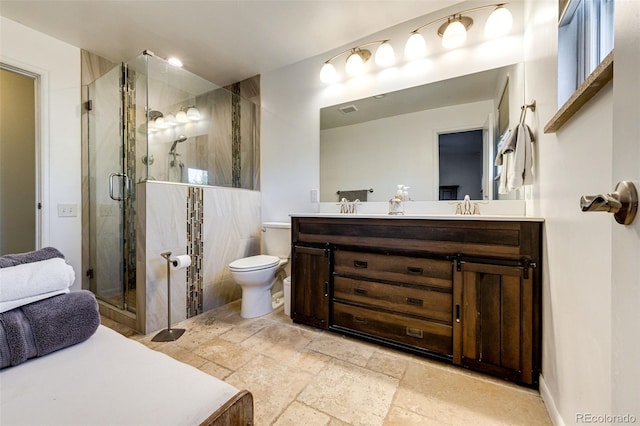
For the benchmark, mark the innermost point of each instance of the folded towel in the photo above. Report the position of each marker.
(46, 326)
(12, 304)
(9, 260)
(31, 279)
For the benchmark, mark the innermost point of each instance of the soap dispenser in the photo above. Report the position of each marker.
(395, 204)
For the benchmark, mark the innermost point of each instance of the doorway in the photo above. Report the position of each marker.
(460, 159)
(18, 161)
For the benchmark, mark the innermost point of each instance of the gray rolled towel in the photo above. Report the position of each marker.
(46, 253)
(48, 325)
(63, 320)
(16, 340)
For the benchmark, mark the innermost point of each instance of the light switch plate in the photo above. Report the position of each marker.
(314, 196)
(67, 210)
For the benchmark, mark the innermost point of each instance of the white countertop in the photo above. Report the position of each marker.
(507, 218)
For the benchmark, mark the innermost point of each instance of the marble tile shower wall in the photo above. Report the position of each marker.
(229, 229)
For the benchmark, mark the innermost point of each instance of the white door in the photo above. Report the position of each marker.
(625, 284)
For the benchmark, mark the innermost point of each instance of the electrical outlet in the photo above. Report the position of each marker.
(314, 196)
(67, 210)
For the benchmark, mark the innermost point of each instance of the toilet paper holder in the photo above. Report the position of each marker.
(170, 334)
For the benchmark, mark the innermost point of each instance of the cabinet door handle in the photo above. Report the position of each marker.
(414, 332)
(412, 270)
(457, 313)
(414, 302)
(360, 320)
(360, 291)
(359, 264)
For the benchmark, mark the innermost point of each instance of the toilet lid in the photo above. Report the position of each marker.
(253, 263)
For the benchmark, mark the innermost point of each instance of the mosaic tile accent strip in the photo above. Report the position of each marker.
(195, 243)
(130, 202)
(236, 137)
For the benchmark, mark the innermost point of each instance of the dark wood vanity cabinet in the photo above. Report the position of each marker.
(462, 291)
(399, 299)
(494, 329)
(311, 267)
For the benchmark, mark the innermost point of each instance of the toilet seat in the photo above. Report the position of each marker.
(254, 263)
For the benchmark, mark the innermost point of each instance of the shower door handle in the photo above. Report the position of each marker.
(127, 186)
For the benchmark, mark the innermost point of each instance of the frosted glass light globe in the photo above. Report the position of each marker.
(181, 117)
(499, 22)
(193, 114)
(415, 47)
(355, 64)
(328, 73)
(455, 35)
(385, 55)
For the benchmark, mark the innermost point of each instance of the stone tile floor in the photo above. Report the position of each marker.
(302, 376)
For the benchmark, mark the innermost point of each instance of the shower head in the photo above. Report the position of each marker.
(180, 139)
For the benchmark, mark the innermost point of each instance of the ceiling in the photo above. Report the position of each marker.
(222, 41)
(466, 89)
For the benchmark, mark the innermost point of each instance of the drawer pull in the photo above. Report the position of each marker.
(414, 302)
(360, 320)
(359, 264)
(360, 291)
(457, 313)
(412, 270)
(414, 332)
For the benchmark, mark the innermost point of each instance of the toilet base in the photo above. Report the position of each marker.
(256, 302)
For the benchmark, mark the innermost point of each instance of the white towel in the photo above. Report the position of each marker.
(516, 160)
(33, 279)
(12, 304)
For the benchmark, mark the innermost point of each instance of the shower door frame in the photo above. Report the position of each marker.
(121, 192)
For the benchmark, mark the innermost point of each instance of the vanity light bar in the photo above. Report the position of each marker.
(453, 33)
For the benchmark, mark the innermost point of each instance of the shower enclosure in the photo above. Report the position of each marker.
(149, 120)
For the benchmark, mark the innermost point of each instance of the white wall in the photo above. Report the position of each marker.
(292, 97)
(577, 160)
(58, 64)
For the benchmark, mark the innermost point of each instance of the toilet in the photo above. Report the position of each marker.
(256, 275)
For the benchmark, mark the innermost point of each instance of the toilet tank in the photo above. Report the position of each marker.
(276, 239)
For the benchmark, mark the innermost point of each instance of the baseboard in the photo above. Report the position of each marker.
(550, 404)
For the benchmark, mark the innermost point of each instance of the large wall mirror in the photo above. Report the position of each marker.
(440, 139)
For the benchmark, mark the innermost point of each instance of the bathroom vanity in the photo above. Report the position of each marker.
(462, 289)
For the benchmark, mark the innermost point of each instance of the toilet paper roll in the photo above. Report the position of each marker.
(181, 262)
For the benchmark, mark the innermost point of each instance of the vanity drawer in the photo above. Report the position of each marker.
(411, 331)
(427, 303)
(413, 270)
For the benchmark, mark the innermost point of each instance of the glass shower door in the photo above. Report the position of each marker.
(108, 189)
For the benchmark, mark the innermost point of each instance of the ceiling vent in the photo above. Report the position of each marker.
(348, 108)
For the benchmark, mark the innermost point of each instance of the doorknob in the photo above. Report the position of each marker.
(623, 202)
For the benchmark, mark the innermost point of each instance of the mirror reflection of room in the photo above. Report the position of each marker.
(399, 137)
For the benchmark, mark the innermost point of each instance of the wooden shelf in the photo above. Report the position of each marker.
(587, 90)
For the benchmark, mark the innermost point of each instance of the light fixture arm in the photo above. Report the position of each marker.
(355, 49)
(458, 14)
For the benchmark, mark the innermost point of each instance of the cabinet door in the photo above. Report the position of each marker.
(493, 320)
(310, 286)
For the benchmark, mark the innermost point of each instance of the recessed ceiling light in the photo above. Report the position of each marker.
(380, 96)
(175, 62)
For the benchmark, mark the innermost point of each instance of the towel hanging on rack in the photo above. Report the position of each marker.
(352, 195)
(515, 157)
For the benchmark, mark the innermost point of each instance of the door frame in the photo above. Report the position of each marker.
(41, 168)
